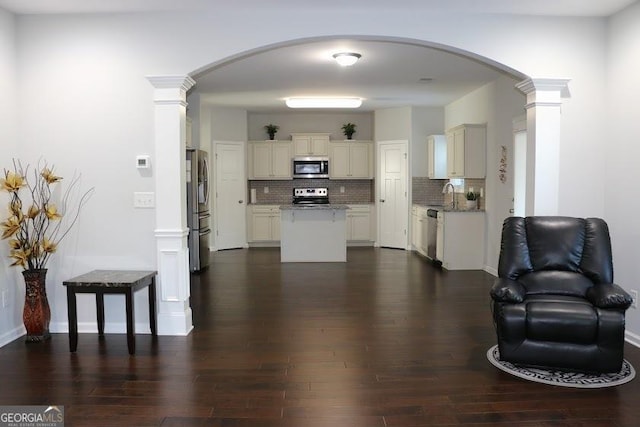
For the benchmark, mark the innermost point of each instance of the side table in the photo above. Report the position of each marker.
(102, 282)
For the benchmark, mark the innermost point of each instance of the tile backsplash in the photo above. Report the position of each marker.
(358, 191)
(428, 192)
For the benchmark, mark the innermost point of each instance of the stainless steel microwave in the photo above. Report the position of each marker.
(311, 167)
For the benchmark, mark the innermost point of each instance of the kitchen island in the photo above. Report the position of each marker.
(316, 233)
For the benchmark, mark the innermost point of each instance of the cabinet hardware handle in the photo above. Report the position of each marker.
(240, 201)
(382, 200)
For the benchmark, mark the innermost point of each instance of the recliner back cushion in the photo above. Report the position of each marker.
(555, 243)
(597, 263)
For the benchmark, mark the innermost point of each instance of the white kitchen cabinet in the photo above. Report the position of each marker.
(414, 227)
(437, 157)
(270, 160)
(360, 224)
(419, 236)
(310, 144)
(466, 151)
(351, 160)
(263, 223)
(460, 240)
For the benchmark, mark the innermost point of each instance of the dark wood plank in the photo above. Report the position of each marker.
(383, 340)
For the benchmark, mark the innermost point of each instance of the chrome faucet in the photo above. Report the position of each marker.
(454, 205)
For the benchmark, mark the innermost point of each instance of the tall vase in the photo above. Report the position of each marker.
(36, 314)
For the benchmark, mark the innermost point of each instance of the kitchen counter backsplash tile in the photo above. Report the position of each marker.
(427, 192)
(359, 191)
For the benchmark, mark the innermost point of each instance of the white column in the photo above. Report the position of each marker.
(544, 99)
(174, 312)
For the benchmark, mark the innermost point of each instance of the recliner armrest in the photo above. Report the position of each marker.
(609, 295)
(507, 290)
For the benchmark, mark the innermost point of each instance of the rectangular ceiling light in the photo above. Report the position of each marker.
(323, 102)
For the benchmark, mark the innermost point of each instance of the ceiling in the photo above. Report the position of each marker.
(521, 7)
(391, 73)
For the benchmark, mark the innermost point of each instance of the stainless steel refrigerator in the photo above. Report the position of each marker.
(198, 216)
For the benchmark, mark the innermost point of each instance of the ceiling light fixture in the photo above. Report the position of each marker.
(346, 59)
(323, 102)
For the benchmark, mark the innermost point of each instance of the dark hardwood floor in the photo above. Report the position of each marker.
(383, 340)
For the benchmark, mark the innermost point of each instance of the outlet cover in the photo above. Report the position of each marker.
(634, 295)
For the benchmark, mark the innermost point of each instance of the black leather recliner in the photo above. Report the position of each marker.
(554, 302)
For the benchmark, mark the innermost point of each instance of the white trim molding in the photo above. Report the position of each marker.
(543, 109)
(632, 339)
(171, 233)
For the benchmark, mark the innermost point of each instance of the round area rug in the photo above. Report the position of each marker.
(563, 378)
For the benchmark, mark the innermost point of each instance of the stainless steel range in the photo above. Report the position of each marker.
(310, 196)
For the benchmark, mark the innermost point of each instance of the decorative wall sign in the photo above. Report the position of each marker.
(502, 169)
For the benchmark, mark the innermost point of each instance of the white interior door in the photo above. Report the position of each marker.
(392, 191)
(230, 195)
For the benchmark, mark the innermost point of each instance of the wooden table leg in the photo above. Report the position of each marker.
(153, 323)
(100, 312)
(72, 316)
(131, 337)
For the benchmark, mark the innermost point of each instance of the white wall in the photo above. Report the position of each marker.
(392, 124)
(621, 146)
(228, 124)
(495, 105)
(301, 122)
(425, 121)
(85, 102)
(10, 285)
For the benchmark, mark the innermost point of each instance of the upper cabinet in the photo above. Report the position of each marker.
(437, 156)
(270, 159)
(310, 144)
(351, 160)
(466, 151)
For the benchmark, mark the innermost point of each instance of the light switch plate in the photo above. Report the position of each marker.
(144, 200)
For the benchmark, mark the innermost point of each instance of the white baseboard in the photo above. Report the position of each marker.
(12, 335)
(491, 271)
(632, 339)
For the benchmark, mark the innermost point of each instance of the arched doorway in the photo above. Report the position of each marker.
(543, 136)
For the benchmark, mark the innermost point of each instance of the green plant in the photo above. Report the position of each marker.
(348, 129)
(271, 130)
(471, 195)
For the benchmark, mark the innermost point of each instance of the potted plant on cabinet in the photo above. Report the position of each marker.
(348, 129)
(271, 130)
(34, 226)
(472, 200)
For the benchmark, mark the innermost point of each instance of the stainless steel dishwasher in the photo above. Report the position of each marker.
(432, 235)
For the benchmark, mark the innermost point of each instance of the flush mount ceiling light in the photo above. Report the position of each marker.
(346, 59)
(323, 102)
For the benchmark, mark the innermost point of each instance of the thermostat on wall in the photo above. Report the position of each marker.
(143, 162)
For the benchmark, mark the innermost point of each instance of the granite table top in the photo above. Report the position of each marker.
(110, 278)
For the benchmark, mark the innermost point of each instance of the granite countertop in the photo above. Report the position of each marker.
(447, 208)
(313, 207)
